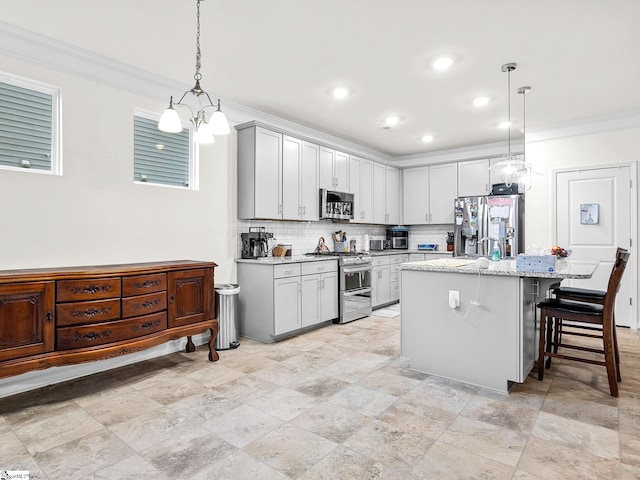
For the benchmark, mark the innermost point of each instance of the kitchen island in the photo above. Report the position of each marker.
(490, 339)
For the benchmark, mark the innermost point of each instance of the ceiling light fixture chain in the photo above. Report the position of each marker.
(204, 130)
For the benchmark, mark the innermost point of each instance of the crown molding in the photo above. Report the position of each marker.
(585, 126)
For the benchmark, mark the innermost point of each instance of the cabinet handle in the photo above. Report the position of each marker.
(48, 317)
(304, 210)
(280, 208)
(172, 299)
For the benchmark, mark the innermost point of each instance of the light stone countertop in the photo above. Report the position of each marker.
(318, 258)
(564, 268)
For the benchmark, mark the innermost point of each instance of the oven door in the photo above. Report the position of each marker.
(355, 277)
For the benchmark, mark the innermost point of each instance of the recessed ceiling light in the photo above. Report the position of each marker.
(160, 146)
(480, 101)
(392, 121)
(443, 63)
(427, 138)
(340, 92)
(504, 125)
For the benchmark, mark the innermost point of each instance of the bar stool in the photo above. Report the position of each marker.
(591, 317)
(586, 296)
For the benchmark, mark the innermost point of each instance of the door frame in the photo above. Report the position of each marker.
(633, 211)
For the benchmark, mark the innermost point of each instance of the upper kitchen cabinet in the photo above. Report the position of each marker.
(259, 173)
(334, 170)
(386, 195)
(277, 175)
(361, 184)
(299, 179)
(473, 178)
(429, 193)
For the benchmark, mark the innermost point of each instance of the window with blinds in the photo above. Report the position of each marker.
(29, 125)
(160, 157)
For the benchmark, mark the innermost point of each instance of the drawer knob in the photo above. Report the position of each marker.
(172, 299)
(49, 317)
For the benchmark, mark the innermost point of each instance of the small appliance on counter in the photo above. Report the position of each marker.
(255, 244)
(399, 237)
(450, 241)
(379, 244)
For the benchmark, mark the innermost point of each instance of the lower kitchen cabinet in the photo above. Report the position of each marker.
(385, 279)
(63, 316)
(277, 301)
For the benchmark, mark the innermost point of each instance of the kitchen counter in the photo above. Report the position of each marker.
(490, 339)
(565, 269)
(316, 258)
(375, 253)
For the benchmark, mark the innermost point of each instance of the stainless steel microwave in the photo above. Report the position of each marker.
(336, 205)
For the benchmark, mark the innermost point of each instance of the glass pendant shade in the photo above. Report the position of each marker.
(170, 120)
(204, 134)
(219, 123)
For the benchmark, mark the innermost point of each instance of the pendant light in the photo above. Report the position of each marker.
(514, 170)
(525, 180)
(205, 130)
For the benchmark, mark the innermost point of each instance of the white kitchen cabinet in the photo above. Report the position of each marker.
(259, 173)
(309, 198)
(393, 196)
(282, 300)
(473, 178)
(286, 305)
(429, 193)
(334, 170)
(277, 175)
(394, 275)
(386, 195)
(381, 290)
(361, 185)
(416, 199)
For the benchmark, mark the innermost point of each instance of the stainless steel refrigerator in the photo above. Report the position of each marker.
(482, 223)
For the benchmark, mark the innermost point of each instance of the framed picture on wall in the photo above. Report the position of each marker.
(589, 213)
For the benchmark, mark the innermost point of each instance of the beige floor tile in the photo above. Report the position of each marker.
(592, 439)
(172, 390)
(245, 389)
(318, 385)
(284, 403)
(133, 467)
(443, 462)
(184, 455)
(203, 407)
(345, 464)
(394, 451)
(81, 457)
(411, 416)
(365, 400)
(501, 413)
(586, 411)
(553, 460)
(629, 472)
(395, 385)
(239, 466)
(331, 421)
(242, 425)
(290, 450)
(153, 427)
(130, 405)
(497, 443)
(440, 394)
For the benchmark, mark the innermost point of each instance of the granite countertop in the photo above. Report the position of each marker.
(320, 258)
(564, 268)
(293, 259)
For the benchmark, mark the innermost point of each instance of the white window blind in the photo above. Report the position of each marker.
(27, 124)
(160, 157)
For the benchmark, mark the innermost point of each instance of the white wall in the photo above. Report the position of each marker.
(94, 213)
(606, 148)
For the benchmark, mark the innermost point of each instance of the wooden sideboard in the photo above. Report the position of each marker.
(62, 316)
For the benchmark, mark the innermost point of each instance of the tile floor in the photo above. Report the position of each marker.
(336, 403)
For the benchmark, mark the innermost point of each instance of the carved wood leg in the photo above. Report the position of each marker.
(213, 355)
(190, 345)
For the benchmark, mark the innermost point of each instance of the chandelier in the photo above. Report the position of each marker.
(217, 123)
(514, 170)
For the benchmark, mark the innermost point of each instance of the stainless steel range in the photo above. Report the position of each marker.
(354, 284)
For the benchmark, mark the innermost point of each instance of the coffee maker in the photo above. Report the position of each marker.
(255, 244)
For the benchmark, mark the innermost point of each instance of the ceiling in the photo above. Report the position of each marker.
(284, 57)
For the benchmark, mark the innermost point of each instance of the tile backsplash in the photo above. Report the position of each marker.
(304, 236)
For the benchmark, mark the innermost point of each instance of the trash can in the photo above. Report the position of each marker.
(227, 315)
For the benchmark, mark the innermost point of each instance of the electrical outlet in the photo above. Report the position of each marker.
(454, 298)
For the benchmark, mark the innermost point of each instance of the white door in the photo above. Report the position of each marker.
(593, 218)
(329, 296)
(379, 195)
(341, 172)
(286, 304)
(311, 300)
(366, 191)
(309, 181)
(393, 195)
(443, 189)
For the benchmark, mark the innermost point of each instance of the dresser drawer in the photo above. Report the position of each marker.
(288, 270)
(141, 284)
(87, 289)
(309, 268)
(79, 313)
(68, 338)
(144, 304)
